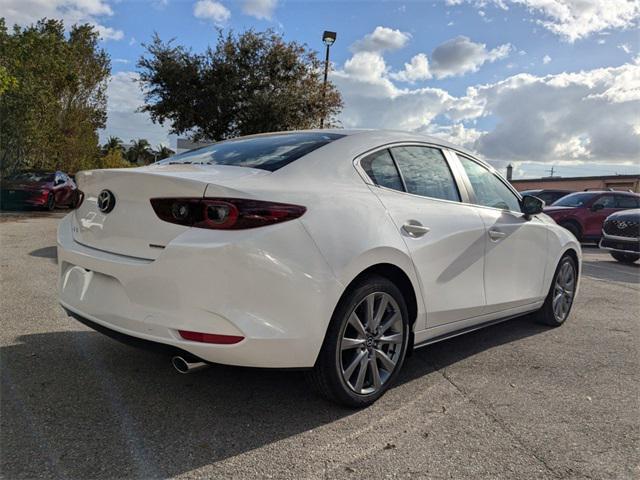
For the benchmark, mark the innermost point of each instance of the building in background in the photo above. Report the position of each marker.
(614, 182)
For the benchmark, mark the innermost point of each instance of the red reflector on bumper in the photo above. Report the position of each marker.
(210, 337)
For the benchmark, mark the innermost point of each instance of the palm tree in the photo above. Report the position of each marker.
(162, 151)
(112, 143)
(139, 152)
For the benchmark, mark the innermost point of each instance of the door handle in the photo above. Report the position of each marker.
(415, 229)
(496, 234)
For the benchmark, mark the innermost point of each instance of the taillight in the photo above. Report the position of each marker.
(224, 213)
(210, 337)
(79, 199)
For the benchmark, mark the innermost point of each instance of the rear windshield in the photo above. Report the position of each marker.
(574, 200)
(269, 152)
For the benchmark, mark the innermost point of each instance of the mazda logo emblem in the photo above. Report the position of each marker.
(106, 201)
(622, 224)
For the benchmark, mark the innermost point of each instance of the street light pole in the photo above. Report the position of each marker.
(328, 38)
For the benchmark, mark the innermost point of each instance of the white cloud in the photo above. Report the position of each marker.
(124, 96)
(575, 19)
(625, 47)
(460, 55)
(261, 9)
(380, 40)
(546, 59)
(416, 69)
(210, 10)
(26, 12)
(588, 116)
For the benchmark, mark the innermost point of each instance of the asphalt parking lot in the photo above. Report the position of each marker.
(515, 400)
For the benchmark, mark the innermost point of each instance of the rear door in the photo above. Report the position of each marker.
(515, 247)
(444, 237)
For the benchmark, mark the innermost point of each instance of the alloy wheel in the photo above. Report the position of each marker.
(371, 343)
(564, 291)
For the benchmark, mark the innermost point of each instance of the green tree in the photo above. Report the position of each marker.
(114, 158)
(53, 96)
(140, 152)
(248, 83)
(113, 143)
(162, 151)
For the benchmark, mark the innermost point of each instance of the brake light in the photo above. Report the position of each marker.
(224, 213)
(210, 337)
(79, 199)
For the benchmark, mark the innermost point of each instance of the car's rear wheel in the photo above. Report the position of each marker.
(574, 228)
(625, 257)
(51, 202)
(559, 301)
(365, 344)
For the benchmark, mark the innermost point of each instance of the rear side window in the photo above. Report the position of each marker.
(426, 172)
(268, 152)
(627, 201)
(381, 169)
(489, 189)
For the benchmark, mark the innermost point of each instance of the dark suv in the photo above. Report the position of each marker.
(583, 213)
(621, 235)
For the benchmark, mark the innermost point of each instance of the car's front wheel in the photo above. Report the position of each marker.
(559, 301)
(623, 257)
(365, 344)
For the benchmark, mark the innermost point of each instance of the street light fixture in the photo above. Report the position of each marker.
(328, 38)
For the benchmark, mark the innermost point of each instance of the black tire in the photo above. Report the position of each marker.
(546, 315)
(327, 375)
(51, 202)
(574, 228)
(623, 257)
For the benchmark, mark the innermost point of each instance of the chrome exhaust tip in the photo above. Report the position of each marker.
(183, 365)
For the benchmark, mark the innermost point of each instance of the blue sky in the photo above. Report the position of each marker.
(522, 81)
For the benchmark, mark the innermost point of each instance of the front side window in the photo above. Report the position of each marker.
(381, 170)
(426, 172)
(489, 189)
(266, 152)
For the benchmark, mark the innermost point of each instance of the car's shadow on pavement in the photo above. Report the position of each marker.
(46, 252)
(77, 404)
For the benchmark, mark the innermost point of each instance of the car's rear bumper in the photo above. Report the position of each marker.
(280, 300)
(620, 244)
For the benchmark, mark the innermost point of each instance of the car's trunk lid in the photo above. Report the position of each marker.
(132, 228)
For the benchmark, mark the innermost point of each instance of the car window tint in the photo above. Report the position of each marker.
(426, 172)
(489, 189)
(627, 201)
(266, 152)
(382, 171)
(607, 201)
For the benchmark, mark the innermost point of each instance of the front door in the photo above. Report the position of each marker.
(515, 246)
(600, 209)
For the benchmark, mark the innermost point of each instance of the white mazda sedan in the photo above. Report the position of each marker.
(336, 251)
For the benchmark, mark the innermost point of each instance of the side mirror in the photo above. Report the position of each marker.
(531, 205)
(596, 206)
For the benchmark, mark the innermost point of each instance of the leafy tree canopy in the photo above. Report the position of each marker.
(52, 96)
(248, 83)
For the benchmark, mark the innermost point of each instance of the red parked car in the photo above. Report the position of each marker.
(35, 188)
(583, 213)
